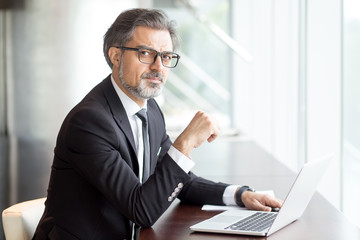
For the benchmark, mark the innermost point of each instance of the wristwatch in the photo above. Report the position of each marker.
(239, 193)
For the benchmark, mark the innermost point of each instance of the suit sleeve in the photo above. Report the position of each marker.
(197, 190)
(201, 191)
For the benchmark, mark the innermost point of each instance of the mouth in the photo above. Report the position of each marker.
(154, 78)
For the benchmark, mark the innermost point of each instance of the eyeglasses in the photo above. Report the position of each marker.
(149, 56)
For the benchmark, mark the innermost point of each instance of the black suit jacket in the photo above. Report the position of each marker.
(94, 190)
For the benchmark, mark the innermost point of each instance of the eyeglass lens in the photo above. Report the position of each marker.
(149, 56)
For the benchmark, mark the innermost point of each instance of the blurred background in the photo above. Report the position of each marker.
(282, 73)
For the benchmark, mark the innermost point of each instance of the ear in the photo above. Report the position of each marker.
(114, 55)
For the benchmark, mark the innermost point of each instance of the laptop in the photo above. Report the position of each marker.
(258, 223)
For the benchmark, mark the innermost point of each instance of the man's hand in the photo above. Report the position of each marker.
(201, 128)
(260, 202)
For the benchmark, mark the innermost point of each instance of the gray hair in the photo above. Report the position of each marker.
(122, 30)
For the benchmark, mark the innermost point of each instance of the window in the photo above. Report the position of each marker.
(203, 76)
(297, 94)
(351, 110)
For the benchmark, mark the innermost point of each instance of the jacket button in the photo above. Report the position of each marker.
(170, 199)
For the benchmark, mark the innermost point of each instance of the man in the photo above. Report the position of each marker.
(104, 183)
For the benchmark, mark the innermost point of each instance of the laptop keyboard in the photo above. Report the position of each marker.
(256, 222)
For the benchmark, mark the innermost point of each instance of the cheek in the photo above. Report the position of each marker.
(131, 73)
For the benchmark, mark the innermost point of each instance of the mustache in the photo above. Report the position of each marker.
(152, 75)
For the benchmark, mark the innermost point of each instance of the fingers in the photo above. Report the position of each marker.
(212, 137)
(274, 202)
(260, 207)
(204, 127)
(211, 127)
(201, 128)
(260, 202)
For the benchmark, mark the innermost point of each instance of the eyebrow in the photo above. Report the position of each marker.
(144, 46)
(147, 47)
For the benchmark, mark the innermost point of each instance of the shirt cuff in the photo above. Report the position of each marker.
(185, 163)
(229, 195)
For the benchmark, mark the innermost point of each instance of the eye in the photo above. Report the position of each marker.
(145, 53)
(167, 56)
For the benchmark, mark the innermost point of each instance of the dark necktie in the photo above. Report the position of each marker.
(146, 159)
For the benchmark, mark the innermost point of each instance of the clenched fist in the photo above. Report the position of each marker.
(201, 128)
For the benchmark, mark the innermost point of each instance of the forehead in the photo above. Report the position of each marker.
(154, 38)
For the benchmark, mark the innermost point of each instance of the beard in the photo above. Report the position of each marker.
(144, 90)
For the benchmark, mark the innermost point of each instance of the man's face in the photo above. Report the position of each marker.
(142, 81)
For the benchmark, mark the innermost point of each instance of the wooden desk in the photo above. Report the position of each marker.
(247, 163)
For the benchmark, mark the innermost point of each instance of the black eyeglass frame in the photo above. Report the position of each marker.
(157, 54)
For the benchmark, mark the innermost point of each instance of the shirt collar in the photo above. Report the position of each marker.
(130, 106)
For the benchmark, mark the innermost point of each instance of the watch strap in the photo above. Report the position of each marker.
(238, 194)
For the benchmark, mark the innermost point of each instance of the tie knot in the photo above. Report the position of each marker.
(142, 115)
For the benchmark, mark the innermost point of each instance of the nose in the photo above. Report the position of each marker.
(157, 65)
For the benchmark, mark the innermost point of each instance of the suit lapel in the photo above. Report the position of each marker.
(121, 119)
(118, 110)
